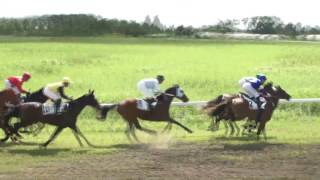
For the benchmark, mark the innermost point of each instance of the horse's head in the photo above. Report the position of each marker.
(91, 100)
(177, 92)
(276, 91)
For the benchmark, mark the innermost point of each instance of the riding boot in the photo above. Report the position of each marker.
(57, 106)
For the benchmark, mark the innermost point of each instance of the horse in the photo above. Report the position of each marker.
(6, 96)
(129, 112)
(31, 112)
(36, 96)
(211, 106)
(235, 108)
(11, 98)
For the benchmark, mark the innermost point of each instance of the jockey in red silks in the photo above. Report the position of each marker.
(15, 83)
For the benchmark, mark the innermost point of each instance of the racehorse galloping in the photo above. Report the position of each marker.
(6, 96)
(236, 108)
(129, 111)
(30, 113)
(11, 98)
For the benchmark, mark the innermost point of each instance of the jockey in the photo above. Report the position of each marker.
(150, 88)
(251, 86)
(15, 83)
(55, 92)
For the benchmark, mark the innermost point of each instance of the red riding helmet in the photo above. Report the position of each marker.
(26, 76)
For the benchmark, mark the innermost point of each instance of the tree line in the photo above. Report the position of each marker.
(257, 25)
(89, 25)
(72, 25)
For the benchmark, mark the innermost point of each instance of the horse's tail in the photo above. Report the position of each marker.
(218, 109)
(106, 108)
(213, 103)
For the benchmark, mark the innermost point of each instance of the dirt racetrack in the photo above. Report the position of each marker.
(205, 160)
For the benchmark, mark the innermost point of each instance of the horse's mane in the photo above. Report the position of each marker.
(38, 91)
(269, 84)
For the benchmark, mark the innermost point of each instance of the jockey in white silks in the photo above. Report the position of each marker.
(150, 88)
(251, 85)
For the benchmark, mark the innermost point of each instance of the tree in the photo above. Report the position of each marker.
(263, 24)
(147, 20)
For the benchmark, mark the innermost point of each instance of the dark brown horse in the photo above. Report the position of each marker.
(6, 96)
(235, 108)
(30, 113)
(10, 97)
(129, 111)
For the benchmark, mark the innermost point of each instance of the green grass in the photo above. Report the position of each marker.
(204, 69)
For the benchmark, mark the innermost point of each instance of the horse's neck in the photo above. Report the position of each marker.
(275, 101)
(36, 97)
(167, 100)
(78, 105)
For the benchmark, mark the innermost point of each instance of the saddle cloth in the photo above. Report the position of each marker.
(252, 103)
(142, 105)
(49, 108)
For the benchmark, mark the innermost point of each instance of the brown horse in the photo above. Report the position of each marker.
(30, 113)
(129, 111)
(235, 108)
(6, 96)
(11, 98)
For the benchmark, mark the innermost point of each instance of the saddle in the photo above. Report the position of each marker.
(145, 104)
(251, 101)
(49, 108)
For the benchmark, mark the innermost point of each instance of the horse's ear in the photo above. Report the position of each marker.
(92, 92)
(89, 92)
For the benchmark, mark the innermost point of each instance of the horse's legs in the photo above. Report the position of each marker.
(237, 128)
(246, 126)
(77, 130)
(226, 125)
(138, 126)
(134, 135)
(167, 128)
(53, 136)
(232, 127)
(261, 127)
(211, 126)
(264, 133)
(179, 124)
(214, 125)
(128, 131)
(77, 137)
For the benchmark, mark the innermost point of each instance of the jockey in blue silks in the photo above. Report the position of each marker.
(251, 86)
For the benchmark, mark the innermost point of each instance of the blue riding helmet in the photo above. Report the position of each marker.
(261, 77)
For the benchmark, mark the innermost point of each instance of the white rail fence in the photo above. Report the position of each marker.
(201, 103)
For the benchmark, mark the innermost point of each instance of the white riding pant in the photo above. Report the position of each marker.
(52, 95)
(8, 85)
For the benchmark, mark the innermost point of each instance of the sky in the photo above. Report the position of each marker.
(170, 12)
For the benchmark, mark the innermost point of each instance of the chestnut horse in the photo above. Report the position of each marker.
(235, 108)
(10, 97)
(6, 96)
(129, 111)
(30, 113)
